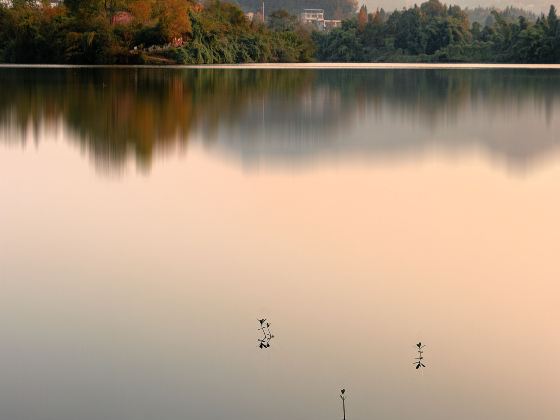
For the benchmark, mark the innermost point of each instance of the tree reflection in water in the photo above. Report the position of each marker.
(117, 113)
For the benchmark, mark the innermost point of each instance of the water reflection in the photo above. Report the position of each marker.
(114, 112)
(287, 116)
(114, 294)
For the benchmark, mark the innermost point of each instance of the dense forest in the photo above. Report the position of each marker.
(187, 32)
(146, 31)
(434, 32)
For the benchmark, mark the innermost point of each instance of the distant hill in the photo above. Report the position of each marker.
(483, 15)
(334, 9)
(535, 6)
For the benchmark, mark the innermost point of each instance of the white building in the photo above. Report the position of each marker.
(316, 17)
(53, 3)
(313, 16)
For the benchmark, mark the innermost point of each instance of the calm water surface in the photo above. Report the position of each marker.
(149, 216)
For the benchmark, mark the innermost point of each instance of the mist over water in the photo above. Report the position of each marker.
(151, 218)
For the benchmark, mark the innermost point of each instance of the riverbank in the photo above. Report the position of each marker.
(219, 33)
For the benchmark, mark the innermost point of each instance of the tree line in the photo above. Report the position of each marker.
(435, 32)
(187, 32)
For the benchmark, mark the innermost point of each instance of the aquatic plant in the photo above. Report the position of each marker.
(264, 342)
(343, 398)
(419, 360)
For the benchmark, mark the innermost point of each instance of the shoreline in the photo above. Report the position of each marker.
(312, 66)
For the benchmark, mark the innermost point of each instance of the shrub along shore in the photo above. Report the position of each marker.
(186, 32)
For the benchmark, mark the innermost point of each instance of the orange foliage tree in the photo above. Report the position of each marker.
(142, 10)
(173, 17)
(362, 18)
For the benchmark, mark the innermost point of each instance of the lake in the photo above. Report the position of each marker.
(150, 216)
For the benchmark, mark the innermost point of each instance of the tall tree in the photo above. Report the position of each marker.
(362, 18)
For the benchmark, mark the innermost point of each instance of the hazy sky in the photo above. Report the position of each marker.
(536, 5)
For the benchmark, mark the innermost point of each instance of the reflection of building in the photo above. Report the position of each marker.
(316, 17)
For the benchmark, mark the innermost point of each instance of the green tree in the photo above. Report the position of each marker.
(281, 20)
